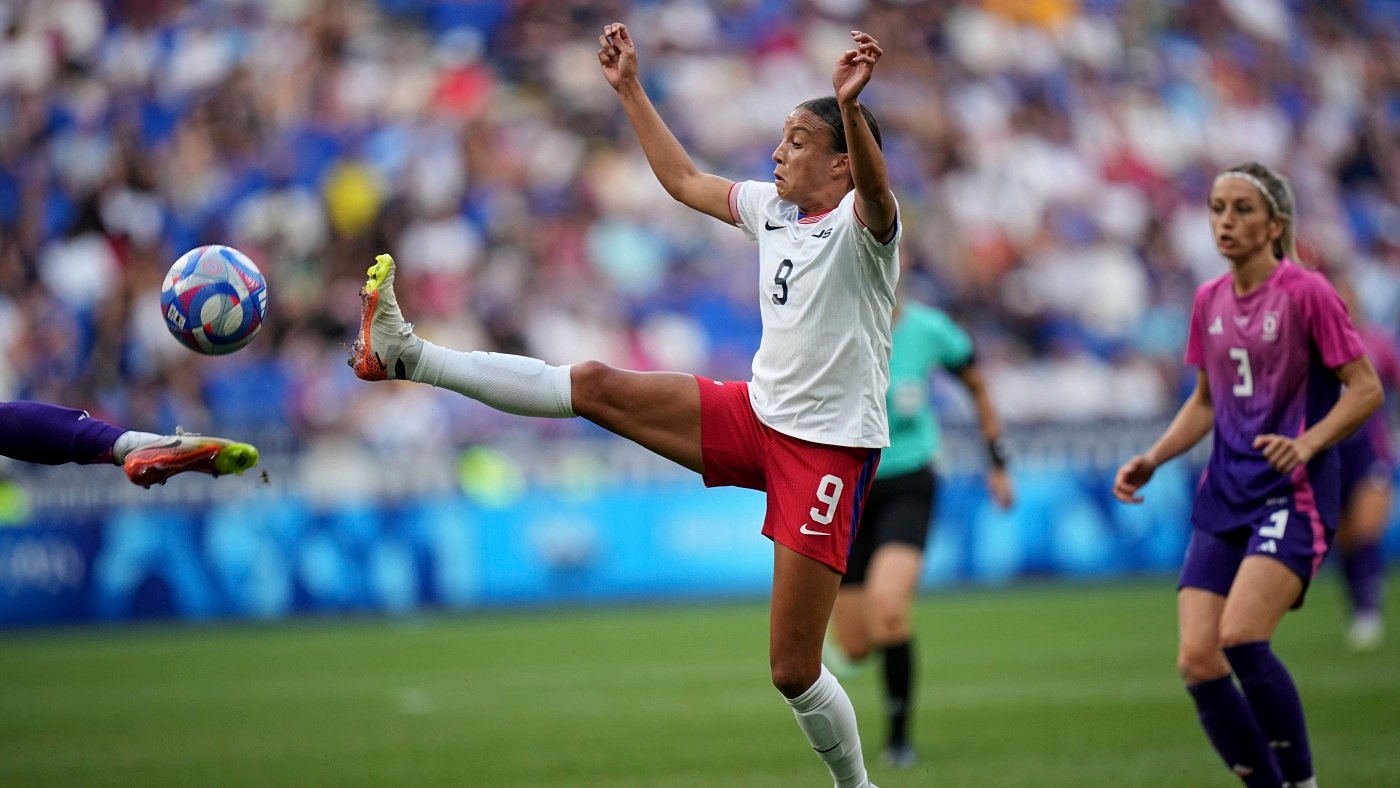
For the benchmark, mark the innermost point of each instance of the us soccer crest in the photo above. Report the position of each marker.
(1270, 331)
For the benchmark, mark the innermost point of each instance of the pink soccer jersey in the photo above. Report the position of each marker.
(1380, 346)
(1269, 358)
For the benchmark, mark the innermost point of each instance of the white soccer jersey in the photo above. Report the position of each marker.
(826, 291)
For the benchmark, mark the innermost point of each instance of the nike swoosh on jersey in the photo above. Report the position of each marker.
(768, 226)
(804, 529)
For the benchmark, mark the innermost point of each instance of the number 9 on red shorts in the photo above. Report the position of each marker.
(815, 492)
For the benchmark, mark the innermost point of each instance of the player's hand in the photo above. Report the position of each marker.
(999, 485)
(853, 69)
(1283, 452)
(617, 54)
(1132, 476)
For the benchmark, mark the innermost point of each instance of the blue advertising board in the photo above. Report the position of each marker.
(278, 554)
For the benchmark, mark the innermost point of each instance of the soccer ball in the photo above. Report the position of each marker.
(214, 300)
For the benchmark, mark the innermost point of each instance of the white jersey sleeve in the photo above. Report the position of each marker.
(826, 292)
(746, 200)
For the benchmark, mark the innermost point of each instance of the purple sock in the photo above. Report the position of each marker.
(1365, 570)
(51, 435)
(1274, 699)
(1231, 727)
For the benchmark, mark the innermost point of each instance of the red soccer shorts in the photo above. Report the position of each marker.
(815, 492)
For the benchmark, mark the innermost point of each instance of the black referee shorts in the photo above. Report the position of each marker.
(900, 509)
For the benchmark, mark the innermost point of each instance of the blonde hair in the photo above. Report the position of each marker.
(1278, 195)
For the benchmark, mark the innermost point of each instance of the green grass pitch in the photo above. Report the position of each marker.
(1037, 685)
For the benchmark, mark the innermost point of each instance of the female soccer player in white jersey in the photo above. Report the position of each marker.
(808, 427)
(1273, 346)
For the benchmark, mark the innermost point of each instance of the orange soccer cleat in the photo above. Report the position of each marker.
(384, 335)
(154, 463)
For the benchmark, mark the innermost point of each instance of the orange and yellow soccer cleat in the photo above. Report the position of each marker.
(384, 335)
(155, 463)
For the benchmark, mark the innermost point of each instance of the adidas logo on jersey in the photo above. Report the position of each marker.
(1268, 547)
(1217, 327)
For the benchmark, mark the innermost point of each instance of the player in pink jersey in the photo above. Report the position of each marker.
(1273, 345)
(808, 427)
(1368, 490)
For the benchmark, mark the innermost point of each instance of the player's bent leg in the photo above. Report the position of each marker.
(1363, 562)
(1200, 656)
(889, 592)
(890, 586)
(659, 411)
(804, 593)
(847, 643)
(1264, 590)
(1224, 714)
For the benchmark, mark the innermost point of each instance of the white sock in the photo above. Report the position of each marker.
(824, 712)
(514, 384)
(130, 441)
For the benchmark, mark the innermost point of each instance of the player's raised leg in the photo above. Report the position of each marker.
(52, 435)
(387, 349)
(804, 591)
(658, 410)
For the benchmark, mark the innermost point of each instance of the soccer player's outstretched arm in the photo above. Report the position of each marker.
(680, 177)
(1193, 422)
(875, 203)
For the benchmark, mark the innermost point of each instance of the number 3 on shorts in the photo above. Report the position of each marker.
(1277, 522)
(829, 493)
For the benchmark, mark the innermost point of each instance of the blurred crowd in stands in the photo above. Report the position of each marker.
(1051, 157)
